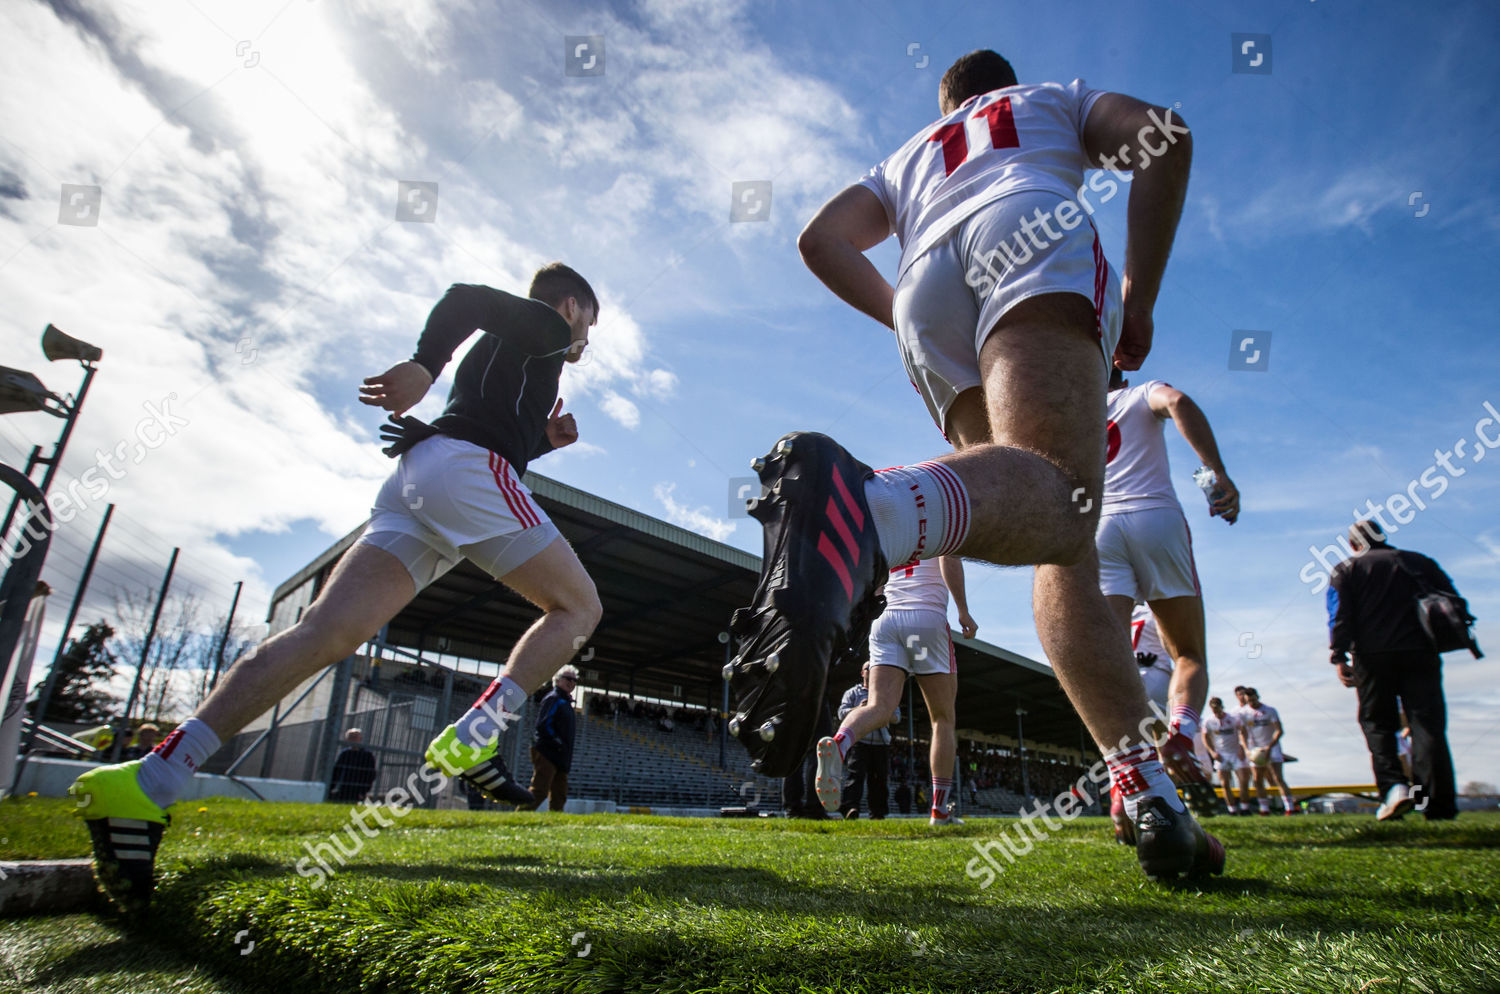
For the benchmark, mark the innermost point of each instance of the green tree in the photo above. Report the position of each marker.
(83, 675)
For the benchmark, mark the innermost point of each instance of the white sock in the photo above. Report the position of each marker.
(483, 722)
(168, 769)
(1184, 721)
(920, 511)
(1139, 775)
(843, 742)
(941, 788)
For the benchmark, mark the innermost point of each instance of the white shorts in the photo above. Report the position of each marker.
(918, 642)
(1157, 680)
(449, 500)
(950, 297)
(1228, 764)
(1147, 555)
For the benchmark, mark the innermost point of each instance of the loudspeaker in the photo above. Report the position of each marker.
(58, 344)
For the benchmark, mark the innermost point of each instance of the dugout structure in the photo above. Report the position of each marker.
(667, 595)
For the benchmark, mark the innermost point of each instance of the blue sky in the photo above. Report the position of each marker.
(246, 258)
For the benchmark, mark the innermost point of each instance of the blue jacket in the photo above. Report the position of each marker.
(555, 725)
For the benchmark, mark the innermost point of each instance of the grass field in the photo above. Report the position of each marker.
(454, 901)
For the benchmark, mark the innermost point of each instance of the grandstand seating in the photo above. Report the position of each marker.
(629, 761)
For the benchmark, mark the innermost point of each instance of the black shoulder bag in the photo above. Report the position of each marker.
(1444, 617)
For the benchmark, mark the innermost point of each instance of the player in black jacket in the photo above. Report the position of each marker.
(455, 493)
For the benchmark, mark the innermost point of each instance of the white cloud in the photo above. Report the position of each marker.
(696, 519)
(621, 409)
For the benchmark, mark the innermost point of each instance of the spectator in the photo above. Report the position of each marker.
(353, 770)
(799, 799)
(870, 759)
(552, 742)
(145, 740)
(1372, 614)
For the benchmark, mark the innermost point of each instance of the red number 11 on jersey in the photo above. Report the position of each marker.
(955, 137)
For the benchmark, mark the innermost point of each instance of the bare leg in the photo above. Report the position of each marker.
(886, 684)
(940, 690)
(1243, 775)
(1228, 784)
(368, 588)
(1180, 621)
(1034, 468)
(555, 581)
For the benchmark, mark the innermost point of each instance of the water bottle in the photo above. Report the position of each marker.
(1208, 482)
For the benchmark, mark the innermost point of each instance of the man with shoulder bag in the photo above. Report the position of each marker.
(1396, 611)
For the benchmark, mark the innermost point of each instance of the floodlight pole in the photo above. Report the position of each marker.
(55, 459)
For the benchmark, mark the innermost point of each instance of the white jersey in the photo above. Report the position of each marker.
(1224, 733)
(1136, 473)
(918, 587)
(1023, 137)
(1145, 638)
(1258, 725)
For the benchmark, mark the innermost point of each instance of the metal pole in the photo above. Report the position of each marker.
(1021, 744)
(83, 585)
(724, 710)
(135, 686)
(54, 460)
(224, 639)
(15, 501)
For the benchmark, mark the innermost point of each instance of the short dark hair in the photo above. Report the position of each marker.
(555, 282)
(1116, 377)
(1368, 531)
(1212, 699)
(978, 72)
(1240, 688)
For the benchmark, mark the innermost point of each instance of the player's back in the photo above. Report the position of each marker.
(1137, 473)
(1019, 138)
(918, 587)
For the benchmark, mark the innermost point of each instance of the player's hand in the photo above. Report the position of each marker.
(1346, 675)
(967, 624)
(561, 430)
(1136, 331)
(1228, 505)
(398, 389)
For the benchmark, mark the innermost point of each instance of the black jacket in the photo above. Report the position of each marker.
(505, 386)
(555, 725)
(353, 774)
(1372, 602)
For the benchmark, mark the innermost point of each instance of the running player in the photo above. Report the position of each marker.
(1007, 316)
(1146, 551)
(1260, 734)
(1221, 734)
(910, 636)
(456, 493)
(1151, 657)
(1155, 665)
